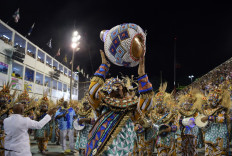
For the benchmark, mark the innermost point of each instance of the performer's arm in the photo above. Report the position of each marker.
(177, 121)
(59, 115)
(32, 124)
(97, 81)
(86, 120)
(220, 118)
(146, 94)
(174, 128)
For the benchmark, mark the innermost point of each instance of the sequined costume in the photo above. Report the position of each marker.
(144, 141)
(139, 147)
(113, 132)
(42, 135)
(55, 128)
(194, 134)
(189, 137)
(163, 115)
(165, 144)
(82, 136)
(216, 134)
(6, 105)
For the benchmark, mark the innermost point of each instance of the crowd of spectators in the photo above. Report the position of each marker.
(48, 64)
(16, 75)
(46, 84)
(4, 70)
(212, 79)
(30, 54)
(6, 40)
(40, 60)
(38, 82)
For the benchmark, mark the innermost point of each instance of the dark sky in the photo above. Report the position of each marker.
(203, 31)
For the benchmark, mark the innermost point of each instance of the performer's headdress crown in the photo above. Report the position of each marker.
(24, 97)
(108, 85)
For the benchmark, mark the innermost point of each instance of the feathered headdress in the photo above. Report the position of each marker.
(6, 98)
(5, 92)
(129, 83)
(193, 97)
(108, 85)
(60, 101)
(44, 101)
(221, 95)
(159, 97)
(126, 82)
(23, 97)
(163, 98)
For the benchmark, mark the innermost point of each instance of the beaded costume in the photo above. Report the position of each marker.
(55, 129)
(190, 135)
(217, 135)
(165, 144)
(82, 136)
(6, 105)
(42, 135)
(113, 132)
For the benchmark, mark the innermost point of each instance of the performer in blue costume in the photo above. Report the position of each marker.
(65, 118)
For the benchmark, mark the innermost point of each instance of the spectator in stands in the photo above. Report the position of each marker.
(212, 79)
(46, 83)
(13, 74)
(18, 76)
(37, 81)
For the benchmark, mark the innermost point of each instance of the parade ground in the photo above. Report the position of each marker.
(56, 150)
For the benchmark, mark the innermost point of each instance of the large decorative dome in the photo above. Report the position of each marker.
(124, 44)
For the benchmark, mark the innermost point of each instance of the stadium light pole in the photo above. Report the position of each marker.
(75, 43)
(191, 77)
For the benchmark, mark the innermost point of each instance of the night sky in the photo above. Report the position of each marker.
(203, 31)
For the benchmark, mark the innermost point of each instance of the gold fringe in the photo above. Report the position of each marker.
(82, 112)
(194, 96)
(97, 79)
(51, 104)
(155, 117)
(163, 87)
(147, 95)
(226, 102)
(188, 113)
(12, 99)
(199, 101)
(115, 132)
(213, 111)
(115, 109)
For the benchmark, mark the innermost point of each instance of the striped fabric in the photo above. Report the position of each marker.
(102, 71)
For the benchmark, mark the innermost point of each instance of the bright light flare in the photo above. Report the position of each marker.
(75, 33)
(74, 45)
(76, 38)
